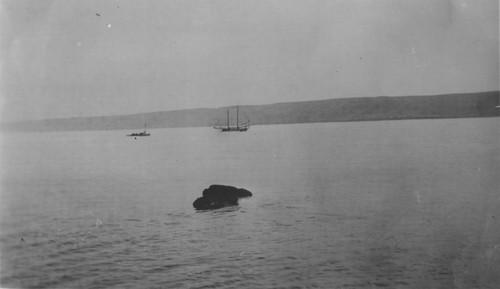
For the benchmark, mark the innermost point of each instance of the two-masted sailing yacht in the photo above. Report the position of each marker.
(237, 127)
(142, 133)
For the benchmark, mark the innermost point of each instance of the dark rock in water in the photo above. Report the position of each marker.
(218, 196)
(221, 191)
(205, 203)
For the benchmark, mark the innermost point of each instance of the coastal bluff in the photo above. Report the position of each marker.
(458, 105)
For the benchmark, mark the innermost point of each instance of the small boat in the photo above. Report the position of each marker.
(237, 127)
(142, 133)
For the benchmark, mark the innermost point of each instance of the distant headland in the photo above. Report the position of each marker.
(464, 105)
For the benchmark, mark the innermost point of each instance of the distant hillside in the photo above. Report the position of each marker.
(482, 104)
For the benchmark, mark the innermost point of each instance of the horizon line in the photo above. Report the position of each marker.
(230, 106)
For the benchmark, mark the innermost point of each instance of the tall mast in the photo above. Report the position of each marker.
(228, 118)
(237, 113)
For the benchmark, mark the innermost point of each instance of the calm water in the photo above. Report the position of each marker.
(395, 204)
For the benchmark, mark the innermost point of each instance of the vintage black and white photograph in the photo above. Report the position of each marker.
(249, 144)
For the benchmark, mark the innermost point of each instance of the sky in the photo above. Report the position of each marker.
(67, 58)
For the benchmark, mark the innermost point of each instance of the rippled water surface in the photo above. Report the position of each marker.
(394, 204)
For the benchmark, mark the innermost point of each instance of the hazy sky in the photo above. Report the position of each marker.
(66, 58)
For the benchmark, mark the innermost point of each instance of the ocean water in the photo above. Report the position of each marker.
(388, 204)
